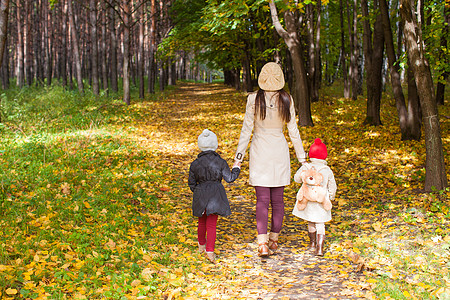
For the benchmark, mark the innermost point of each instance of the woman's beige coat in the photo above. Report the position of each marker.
(269, 163)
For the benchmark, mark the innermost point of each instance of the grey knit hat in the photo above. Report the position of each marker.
(207, 141)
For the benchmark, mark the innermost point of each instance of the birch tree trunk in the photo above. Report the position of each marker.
(435, 176)
(301, 95)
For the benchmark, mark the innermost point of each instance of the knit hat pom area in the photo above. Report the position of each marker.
(207, 140)
(271, 77)
(318, 150)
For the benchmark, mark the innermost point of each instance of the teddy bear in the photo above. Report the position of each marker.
(311, 190)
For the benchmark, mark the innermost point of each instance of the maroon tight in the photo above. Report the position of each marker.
(207, 224)
(264, 197)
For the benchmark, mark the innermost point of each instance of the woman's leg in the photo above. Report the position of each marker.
(262, 208)
(262, 217)
(277, 201)
(211, 223)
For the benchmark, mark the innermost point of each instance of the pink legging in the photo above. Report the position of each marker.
(264, 197)
(207, 224)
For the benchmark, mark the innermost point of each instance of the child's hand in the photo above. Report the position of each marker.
(237, 164)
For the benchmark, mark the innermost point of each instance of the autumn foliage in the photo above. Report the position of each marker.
(94, 204)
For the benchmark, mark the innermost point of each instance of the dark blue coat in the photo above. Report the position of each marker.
(205, 181)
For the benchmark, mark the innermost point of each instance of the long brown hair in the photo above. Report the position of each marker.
(283, 102)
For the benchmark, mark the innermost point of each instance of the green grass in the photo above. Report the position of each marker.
(77, 201)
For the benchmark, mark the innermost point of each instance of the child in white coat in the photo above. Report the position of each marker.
(314, 212)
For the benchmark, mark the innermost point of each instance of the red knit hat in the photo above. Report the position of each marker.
(318, 150)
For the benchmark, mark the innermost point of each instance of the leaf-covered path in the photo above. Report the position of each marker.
(292, 273)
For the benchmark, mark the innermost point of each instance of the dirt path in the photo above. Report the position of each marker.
(291, 273)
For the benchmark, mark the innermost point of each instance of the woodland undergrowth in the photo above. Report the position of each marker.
(94, 201)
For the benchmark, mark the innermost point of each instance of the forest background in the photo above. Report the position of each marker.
(65, 64)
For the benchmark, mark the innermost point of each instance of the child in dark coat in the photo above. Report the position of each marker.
(209, 199)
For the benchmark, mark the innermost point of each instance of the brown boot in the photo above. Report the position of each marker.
(273, 241)
(312, 241)
(263, 247)
(319, 247)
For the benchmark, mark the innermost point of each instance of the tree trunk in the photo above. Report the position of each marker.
(75, 46)
(353, 36)
(94, 47)
(435, 177)
(5, 69)
(63, 45)
(20, 46)
(47, 43)
(28, 43)
(373, 53)
(4, 10)
(152, 48)
(140, 62)
(113, 50)
(301, 94)
(103, 55)
(126, 51)
(407, 126)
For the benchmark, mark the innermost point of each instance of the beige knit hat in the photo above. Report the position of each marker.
(271, 77)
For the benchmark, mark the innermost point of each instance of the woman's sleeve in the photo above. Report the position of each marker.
(247, 128)
(294, 134)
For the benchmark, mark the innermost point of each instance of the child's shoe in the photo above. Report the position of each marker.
(319, 246)
(201, 248)
(211, 256)
(312, 241)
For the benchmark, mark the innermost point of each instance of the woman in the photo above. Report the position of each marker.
(267, 111)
